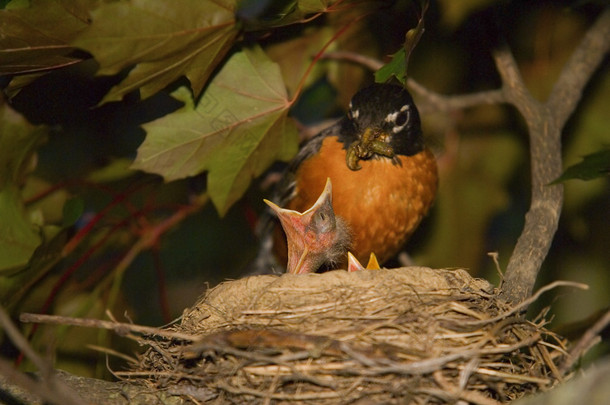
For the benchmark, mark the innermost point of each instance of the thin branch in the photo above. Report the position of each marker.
(542, 219)
(22, 344)
(372, 64)
(429, 101)
(586, 341)
(545, 123)
(149, 239)
(578, 70)
(119, 328)
(49, 388)
(435, 102)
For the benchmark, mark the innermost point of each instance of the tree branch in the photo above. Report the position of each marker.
(430, 101)
(50, 387)
(578, 70)
(545, 123)
(435, 102)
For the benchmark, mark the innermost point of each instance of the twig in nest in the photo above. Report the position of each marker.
(279, 396)
(494, 256)
(460, 393)
(108, 351)
(271, 389)
(526, 303)
(511, 377)
(267, 338)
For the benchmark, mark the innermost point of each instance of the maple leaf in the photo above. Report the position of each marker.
(238, 128)
(295, 55)
(37, 38)
(19, 238)
(164, 40)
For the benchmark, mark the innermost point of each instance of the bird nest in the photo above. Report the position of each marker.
(410, 335)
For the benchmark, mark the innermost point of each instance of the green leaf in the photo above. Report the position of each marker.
(19, 238)
(18, 142)
(164, 40)
(592, 167)
(238, 128)
(37, 38)
(13, 288)
(15, 4)
(72, 211)
(399, 63)
(396, 67)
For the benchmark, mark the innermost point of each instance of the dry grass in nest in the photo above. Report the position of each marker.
(410, 335)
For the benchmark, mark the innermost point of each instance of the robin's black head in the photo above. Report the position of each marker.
(384, 120)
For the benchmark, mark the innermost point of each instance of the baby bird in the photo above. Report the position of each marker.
(315, 237)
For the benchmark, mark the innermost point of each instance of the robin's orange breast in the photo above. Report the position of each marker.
(383, 203)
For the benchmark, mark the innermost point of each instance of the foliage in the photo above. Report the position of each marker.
(19, 237)
(161, 41)
(593, 166)
(397, 66)
(234, 132)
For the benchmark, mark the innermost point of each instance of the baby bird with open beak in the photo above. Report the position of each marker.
(316, 237)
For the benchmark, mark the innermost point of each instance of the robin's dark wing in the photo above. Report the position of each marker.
(285, 189)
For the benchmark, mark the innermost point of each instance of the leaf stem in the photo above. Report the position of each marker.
(318, 55)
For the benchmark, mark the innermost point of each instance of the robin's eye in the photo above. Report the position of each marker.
(353, 114)
(401, 119)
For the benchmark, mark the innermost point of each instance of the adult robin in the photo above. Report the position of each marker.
(384, 178)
